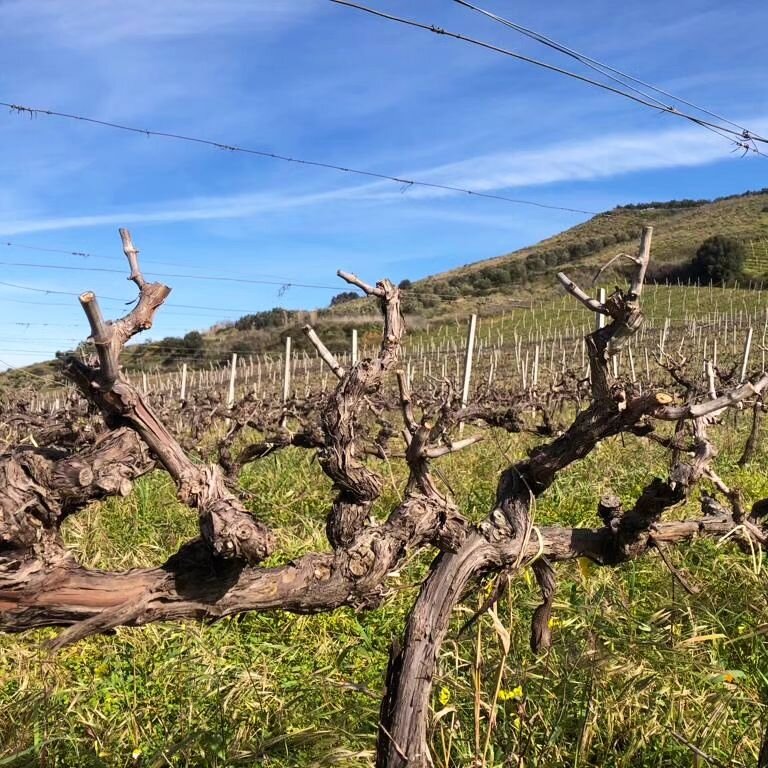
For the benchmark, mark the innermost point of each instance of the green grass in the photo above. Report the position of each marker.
(636, 664)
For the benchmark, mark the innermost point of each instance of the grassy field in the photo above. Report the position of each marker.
(638, 668)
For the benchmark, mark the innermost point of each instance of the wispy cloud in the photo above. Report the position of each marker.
(583, 161)
(600, 157)
(242, 206)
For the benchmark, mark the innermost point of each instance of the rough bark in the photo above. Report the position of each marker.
(225, 524)
(750, 447)
(42, 486)
(357, 485)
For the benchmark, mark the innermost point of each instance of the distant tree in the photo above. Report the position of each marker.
(411, 304)
(241, 346)
(344, 297)
(273, 318)
(405, 284)
(193, 342)
(481, 284)
(719, 259)
(517, 272)
(497, 275)
(594, 244)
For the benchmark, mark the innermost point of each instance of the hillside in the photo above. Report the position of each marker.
(487, 287)
(679, 228)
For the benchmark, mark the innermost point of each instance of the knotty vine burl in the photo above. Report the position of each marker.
(218, 574)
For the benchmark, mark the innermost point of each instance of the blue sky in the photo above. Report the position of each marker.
(310, 79)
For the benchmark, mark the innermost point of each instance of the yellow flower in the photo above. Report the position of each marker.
(136, 754)
(444, 696)
(514, 694)
(586, 567)
(101, 670)
(729, 677)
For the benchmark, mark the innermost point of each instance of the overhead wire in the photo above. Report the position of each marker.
(643, 98)
(171, 274)
(404, 182)
(605, 69)
(746, 134)
(412, 291)
(101, 297)
(732, 135)
(282, 279)
(49, 378)
(73, 305)
(28, 324)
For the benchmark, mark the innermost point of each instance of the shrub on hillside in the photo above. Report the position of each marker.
(447, 291)
(577, 251)
(344, 297)
(719, 259)
(272, 318)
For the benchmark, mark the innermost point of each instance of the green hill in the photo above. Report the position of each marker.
(679, 229)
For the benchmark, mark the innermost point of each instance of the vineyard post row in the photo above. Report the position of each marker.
(539, 346)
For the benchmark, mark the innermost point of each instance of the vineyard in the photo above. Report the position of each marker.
(532, 539)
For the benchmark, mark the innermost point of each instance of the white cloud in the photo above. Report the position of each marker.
(196, 209)
(586, 160)
(597, 158)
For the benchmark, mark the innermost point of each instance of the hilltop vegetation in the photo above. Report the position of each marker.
(680, 227)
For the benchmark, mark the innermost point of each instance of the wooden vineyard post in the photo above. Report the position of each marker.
(287, 371)
(468, 365)
(600, 316)
(354, 346)
(232, 377)
(183, 392)
(745, 357)
(710, 371)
